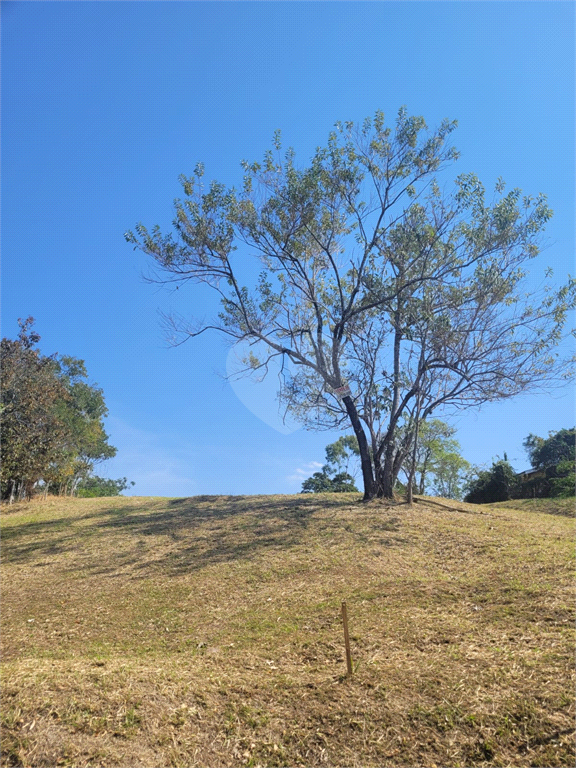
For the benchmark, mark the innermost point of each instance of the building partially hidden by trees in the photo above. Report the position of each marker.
(52, 419)
(552, 473)
(552, 460)
(391, 298)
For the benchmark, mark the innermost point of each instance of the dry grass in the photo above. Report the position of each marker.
(550, 506)
(206, 632)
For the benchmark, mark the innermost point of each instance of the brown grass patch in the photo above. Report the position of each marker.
(549, 506)
(206, 632)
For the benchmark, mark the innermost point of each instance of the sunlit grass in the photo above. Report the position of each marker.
(206, 631)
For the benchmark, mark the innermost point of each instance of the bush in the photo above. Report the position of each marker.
(494, 484)
(562, 479)
(100, 486)
(320, 482)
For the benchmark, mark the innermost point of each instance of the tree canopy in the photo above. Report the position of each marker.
(335, 476)
(546, 452)
(492, 485)
(554, 456)
(93, 486)
(439, 465)
(390, 296)
(52, 428)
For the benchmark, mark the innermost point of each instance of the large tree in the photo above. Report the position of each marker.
(32, 432)
(438, 462)
(547, 452)
(52, 427)
(81, 413)
(390, 297)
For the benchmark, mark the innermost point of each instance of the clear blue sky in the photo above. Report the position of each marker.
(106, 103)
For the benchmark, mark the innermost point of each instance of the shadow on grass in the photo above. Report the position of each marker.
(178, 536)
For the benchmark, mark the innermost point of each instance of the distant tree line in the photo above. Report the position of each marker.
(552, 473)
(94, 486)
(52, 423)
(439, 467)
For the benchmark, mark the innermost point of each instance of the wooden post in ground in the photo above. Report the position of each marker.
(347, 639)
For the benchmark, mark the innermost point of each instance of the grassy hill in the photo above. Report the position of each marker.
(206, 632)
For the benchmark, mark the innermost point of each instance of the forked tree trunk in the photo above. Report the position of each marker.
(365, 461)
(386, 486)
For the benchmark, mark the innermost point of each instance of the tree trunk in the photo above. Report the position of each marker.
(422, 484)
(412, 476)
(387, 475)
(365, 461)
(386, 484)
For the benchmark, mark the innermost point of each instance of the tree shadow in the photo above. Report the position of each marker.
(190, 533)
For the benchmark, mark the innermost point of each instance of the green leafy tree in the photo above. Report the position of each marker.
(563, 479)
(321, 482)
(451, 473)
(51, 418)
(438, 460)
(492, 485)
(555, 457)
(373, 278)
(82, 413)
(32, 431)
(343, 454)
(334, 476)
(557, 447)
(94, 486)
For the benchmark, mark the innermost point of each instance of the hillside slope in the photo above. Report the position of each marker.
(207, 632)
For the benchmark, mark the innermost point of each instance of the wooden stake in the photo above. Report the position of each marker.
(347, 639)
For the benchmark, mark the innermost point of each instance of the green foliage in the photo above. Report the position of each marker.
(81, 413)
(376, 278)
(554, 456)
(99, 486)
(321, 482)
(492, 485)
(548, 452)
(563, 483)
(338, 456)
(52, 428)
(451, 472)
(340, 453)
(439, 464)
(32, 432)
(532, 445)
